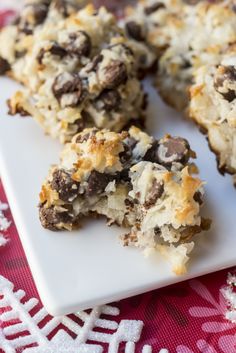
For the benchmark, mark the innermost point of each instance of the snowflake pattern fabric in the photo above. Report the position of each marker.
(184, 318)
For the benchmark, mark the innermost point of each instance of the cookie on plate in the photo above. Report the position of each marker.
(17, 39)
(134, 181)
(207, 29)
(80, 72)
(182, 35)
(213, 106)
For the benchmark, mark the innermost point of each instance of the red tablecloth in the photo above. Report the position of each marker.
(184, 318)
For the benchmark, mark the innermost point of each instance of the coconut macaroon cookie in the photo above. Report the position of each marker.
(152, 24)
(16, 40)
(207, 29)
(80, 73)
(136, 182)
(213, 106)
(183, 35)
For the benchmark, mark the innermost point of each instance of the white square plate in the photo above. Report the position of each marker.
(78, 270)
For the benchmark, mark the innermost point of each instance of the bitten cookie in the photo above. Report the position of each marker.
(135, 181)
(81, 72)
(213, 106)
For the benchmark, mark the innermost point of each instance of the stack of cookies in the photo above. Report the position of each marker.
(81, 69)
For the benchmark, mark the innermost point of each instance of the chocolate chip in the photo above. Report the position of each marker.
(79, 44)
(93, 66)
(126, 155)
(157, 230)
(225, 73)
(80, 124)
(173, 150)
(123, 175)
(57, 50)
(151, 154)
(186, 64)
(110, 100)
(115, 74)
(129, 203)
(51, 218)
(134, 30)
(155, 193)
(198, 197)
(20, 54)
(39, 12)
(4, 66)
(68, 90)
(66, 187)
(97, 183)
(26, 30)
(229, 96)
(153, 8)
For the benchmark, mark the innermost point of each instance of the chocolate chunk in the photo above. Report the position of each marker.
(151, 154)
(154, 194)
(4, 66)
(157, 230)
(198, 197)
(173, 149)
(111, 100)
(97, 183)
(229, 96)
(115, 74)
(57, 50)
(126, 155)
(40, 55)
(134, 30)
(79, 44)
(39, 12)
(20, 54)
(66, 187)
(153, 8)
(50, 218)
(93, 66)
(68, 90)
(225, 73)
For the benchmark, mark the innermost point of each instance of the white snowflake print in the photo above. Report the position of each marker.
(16, 315)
